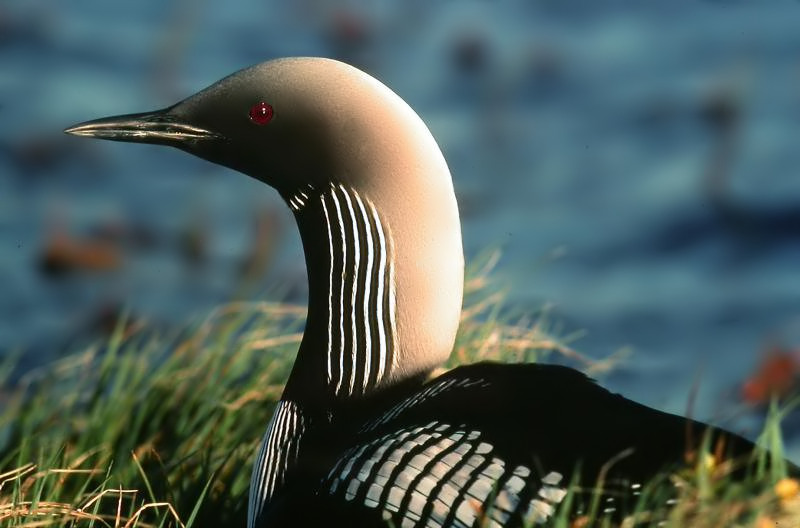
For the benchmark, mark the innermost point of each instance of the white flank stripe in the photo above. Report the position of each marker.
(341, 292)
(354, 356)
(367, 290)
(330, 288)
(281, 442)
(284, 434)
(256, 499)
(275, 443)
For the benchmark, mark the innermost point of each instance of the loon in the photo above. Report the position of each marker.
(361, 436)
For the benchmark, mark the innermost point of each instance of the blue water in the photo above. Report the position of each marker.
(583, 138)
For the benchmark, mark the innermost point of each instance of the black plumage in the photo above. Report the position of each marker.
(548, 425)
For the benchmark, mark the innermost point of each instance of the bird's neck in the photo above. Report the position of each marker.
(385, 291)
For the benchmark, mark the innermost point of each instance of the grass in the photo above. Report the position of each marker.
(159, 430)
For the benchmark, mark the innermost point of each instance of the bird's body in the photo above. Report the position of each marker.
(360, 438)
(486, 444)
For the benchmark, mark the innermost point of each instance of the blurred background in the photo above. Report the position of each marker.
(636, 163)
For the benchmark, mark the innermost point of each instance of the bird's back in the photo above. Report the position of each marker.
(490, 443)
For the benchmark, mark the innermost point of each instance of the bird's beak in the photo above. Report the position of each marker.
(160, 127)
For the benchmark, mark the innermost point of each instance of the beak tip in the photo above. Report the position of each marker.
(79, 130)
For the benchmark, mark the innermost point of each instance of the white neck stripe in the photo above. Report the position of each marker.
(353, 278)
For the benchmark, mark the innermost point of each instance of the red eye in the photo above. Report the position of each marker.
(261, 113)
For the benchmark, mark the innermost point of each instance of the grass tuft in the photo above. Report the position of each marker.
(154, 430)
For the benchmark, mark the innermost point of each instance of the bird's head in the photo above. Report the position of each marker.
(288, 122)
(322, 132)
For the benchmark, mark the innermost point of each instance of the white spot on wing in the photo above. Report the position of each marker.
(552, 478)
(539, 511)
(552, 494)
